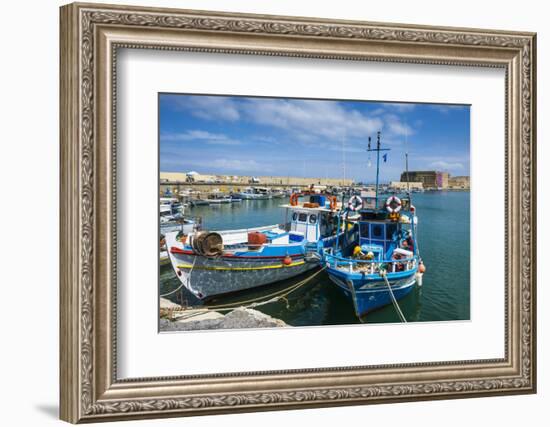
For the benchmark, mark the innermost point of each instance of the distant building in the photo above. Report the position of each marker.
(459, 182)
(402, 185)
(429, 179)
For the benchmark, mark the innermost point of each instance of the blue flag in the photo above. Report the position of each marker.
(385, 157)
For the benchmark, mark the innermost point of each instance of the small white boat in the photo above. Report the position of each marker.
(199, 202)
(170, 209)
(171, 205)
(185, 225)
(265, 193)
(216, 200)
(278, 193)
(251, 193)
(171, 217)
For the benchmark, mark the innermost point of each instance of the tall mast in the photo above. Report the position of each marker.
(407, 172)
(377, 149)
(407, 161)
(344, 157)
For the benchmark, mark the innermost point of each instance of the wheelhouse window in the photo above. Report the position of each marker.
(312, 219)
(302, 217)
(294, 216)
(377, 231)
(364, 229)
(390, 230)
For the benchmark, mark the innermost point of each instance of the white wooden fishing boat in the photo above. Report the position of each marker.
(221, 262)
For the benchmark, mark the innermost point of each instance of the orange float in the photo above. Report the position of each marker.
(333, 202)
(421, 268)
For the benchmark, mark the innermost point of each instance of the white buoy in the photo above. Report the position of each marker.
(419, 279)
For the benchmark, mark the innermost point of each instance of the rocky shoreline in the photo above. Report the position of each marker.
(204, 319)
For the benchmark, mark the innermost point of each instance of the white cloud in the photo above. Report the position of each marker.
(378, 111)
(441, 108)
(396, 127)
(402, 107)
(200, 135)
(390, 107)
(311, 118)
(347, 147)
(265, 139)
(446, 166)
(218, 165)
(238, 165)
(445, 109)
(210, 107)
(303, 121)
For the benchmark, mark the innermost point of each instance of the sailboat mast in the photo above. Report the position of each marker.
(344, 157)
(407, 171)
(377, 166)
(377, 149)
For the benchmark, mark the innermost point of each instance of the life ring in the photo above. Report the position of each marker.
(393, 204)
(354, 203)
(294, 199)
(333, 202)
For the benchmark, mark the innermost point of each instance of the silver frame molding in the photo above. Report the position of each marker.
(90, 37)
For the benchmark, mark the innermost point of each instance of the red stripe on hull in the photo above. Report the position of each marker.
(176, 250)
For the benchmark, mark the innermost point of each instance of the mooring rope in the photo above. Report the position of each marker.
(270, 298)
(181, 285)
(258, 301)
(394, 301)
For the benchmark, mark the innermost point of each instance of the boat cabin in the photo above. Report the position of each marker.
(380, 237)
(314, 219)
(382, 233)
(305, 222)
(262, 190)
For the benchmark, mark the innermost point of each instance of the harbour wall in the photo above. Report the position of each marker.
(227, 183)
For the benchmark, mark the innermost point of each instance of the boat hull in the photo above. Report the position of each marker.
(208, 277)
(369, 294)
(218, 201)
(249, 196)
(253, 196)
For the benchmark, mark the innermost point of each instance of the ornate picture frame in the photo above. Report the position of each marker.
(90, 37)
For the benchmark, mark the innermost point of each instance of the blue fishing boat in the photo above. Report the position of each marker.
(376, 262)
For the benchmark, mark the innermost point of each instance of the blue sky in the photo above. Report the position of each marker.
(294, 137)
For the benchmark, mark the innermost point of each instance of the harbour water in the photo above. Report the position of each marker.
(443, 241)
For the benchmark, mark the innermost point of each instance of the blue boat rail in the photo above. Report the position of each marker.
(352, 265)
(378, 202)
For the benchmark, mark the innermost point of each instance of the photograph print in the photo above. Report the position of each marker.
(287, 212)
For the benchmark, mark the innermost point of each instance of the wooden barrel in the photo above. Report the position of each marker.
(212, 244)
(207, 243)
